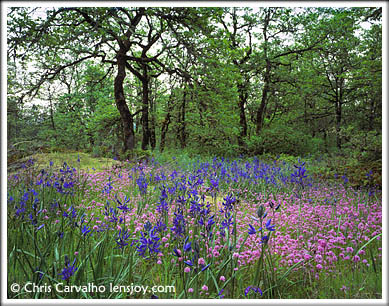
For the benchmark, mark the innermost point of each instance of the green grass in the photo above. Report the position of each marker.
(87, 161)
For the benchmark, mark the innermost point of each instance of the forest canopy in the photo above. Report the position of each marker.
(214, 80)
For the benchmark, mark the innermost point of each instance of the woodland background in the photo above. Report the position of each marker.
(125, 82)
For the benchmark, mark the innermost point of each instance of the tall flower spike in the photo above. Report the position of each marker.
(121, 239)
(151, 244)
(69, 270)
(187, 245)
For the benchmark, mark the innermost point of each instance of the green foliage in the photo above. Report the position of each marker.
(284, 140)
(365, 146)
(335, 167)
(323, 87)
(137, 155)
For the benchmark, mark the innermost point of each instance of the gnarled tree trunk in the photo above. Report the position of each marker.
(145, 110)
(127, 120)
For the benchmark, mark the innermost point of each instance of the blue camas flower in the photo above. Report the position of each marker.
(122, 238)
(252, 230)
(85, 231)
(33, 219)
(142, 184)
(162, 206)
(211, 222)
(150, 242)
(123, 206)
(179, 224)
(299, 174)
(187, 245)
(251, 288)
(229, 202)
(108, 187)
(214, 183)
(269, 227)
(147, 226)
(160, 227)
(69, 270)
(72, 211)
(173, 175)
(226, 223)
(264, 239)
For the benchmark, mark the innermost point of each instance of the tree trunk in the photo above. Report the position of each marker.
(145, 109)
(164, 129)
(338, 115)
(262, 106)
(266, 87)
(152, 127)
(242, 90)
(325, 140)
(127, 120)
(183, 107)
(165, 123)
(338, 110)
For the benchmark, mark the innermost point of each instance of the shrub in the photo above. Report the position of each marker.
(284, 140)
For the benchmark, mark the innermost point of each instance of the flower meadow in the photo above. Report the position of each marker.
(213, 229)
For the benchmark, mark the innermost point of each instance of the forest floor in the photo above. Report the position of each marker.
(41, 160)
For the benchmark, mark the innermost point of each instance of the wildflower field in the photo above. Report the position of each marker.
(239, 228)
